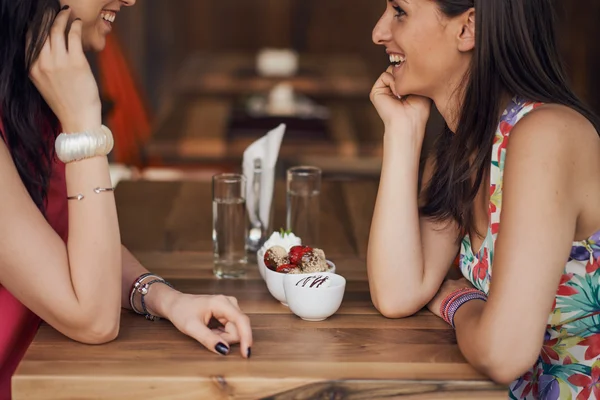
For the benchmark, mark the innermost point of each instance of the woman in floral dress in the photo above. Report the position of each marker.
(512, 186)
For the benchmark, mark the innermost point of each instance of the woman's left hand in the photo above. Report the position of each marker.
(447, 287)
(195, 314)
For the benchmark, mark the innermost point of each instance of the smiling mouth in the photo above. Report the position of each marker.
(397, 60)
(108, 16)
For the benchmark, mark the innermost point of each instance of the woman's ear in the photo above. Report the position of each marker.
(466, 37)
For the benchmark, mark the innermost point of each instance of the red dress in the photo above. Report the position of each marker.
(18, 325)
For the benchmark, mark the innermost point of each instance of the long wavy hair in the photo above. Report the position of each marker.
(516, 54)
(29, 124)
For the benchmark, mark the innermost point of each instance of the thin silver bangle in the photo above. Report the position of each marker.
(144, 291)
(98, 190)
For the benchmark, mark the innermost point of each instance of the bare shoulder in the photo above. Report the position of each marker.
(557, 130)
(556, 148)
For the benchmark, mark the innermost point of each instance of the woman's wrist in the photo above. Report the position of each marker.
(401, 137)
(159, 300)
(82, 124)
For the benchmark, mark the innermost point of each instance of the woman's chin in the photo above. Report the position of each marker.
(406, 90)
(96, 44)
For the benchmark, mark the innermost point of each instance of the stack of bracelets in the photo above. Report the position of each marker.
(141, 286)
(456, 299)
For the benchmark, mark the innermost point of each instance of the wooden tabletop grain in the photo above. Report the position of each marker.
(355, 354)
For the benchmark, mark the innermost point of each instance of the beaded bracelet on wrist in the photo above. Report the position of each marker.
(456, 299)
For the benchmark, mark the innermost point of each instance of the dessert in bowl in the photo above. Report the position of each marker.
(275, 280)
(277, 261)
(314, 297)
(287, 240)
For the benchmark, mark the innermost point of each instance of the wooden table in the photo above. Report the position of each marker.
(319, 75)
(201, 124)
(356, 354)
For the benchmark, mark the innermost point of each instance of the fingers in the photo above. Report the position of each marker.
(229, 333)
(75, 41)
(385, 85)
(209, 339)
(58, 32)
(223, 308)
(234, 301)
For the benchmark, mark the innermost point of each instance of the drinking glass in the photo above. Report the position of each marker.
(303, 208)
(230, 225)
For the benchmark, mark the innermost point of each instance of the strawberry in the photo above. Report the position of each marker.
(285, 268)
(297, 252)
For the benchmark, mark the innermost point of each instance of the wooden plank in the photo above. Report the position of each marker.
(342, 131)
(143, 209)
(381, 389)
(336, 233)
(178, 216)
(360, 200)
(189, 225)
(221, 386)
(198, 128)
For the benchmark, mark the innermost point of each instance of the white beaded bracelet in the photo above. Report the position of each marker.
(79, 146)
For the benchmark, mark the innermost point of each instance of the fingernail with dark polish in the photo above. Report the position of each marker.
(249, 352)
(64, 8)
(222, 349)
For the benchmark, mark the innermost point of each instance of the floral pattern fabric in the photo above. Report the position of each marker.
(569, 364)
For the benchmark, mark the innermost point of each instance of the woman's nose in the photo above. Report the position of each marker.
(382, 32)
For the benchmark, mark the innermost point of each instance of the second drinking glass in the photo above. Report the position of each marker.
(303, 205)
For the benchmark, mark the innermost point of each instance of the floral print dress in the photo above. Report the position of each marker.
(569, 364)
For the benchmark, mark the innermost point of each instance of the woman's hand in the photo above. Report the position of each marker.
(64, 78)
(410, 112)
(447, 287)
(193, 314)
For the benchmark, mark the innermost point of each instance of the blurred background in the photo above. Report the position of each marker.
(185, 93)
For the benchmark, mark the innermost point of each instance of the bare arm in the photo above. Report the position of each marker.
(543, 198)
(75, 288)
(409, 255)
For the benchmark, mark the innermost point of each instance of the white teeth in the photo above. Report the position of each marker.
(110, 17)
(396, 59)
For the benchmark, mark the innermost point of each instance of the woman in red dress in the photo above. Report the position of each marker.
(61, 258)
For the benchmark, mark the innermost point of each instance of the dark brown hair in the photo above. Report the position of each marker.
(28, 121)
(515, 54)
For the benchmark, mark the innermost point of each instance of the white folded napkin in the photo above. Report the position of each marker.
(266, 149)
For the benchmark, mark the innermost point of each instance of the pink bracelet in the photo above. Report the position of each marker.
(456, 299)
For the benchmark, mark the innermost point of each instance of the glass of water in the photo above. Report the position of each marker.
(230, 225)
(303, 208)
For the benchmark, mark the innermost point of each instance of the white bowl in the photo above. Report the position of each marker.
(260, 258)
(314, 304)
(275, 281)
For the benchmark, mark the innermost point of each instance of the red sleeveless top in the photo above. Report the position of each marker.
(18, 325)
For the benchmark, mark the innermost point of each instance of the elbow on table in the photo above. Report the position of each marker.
(394, 308)
(101, 328)
(505, 368)
(505, 374)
